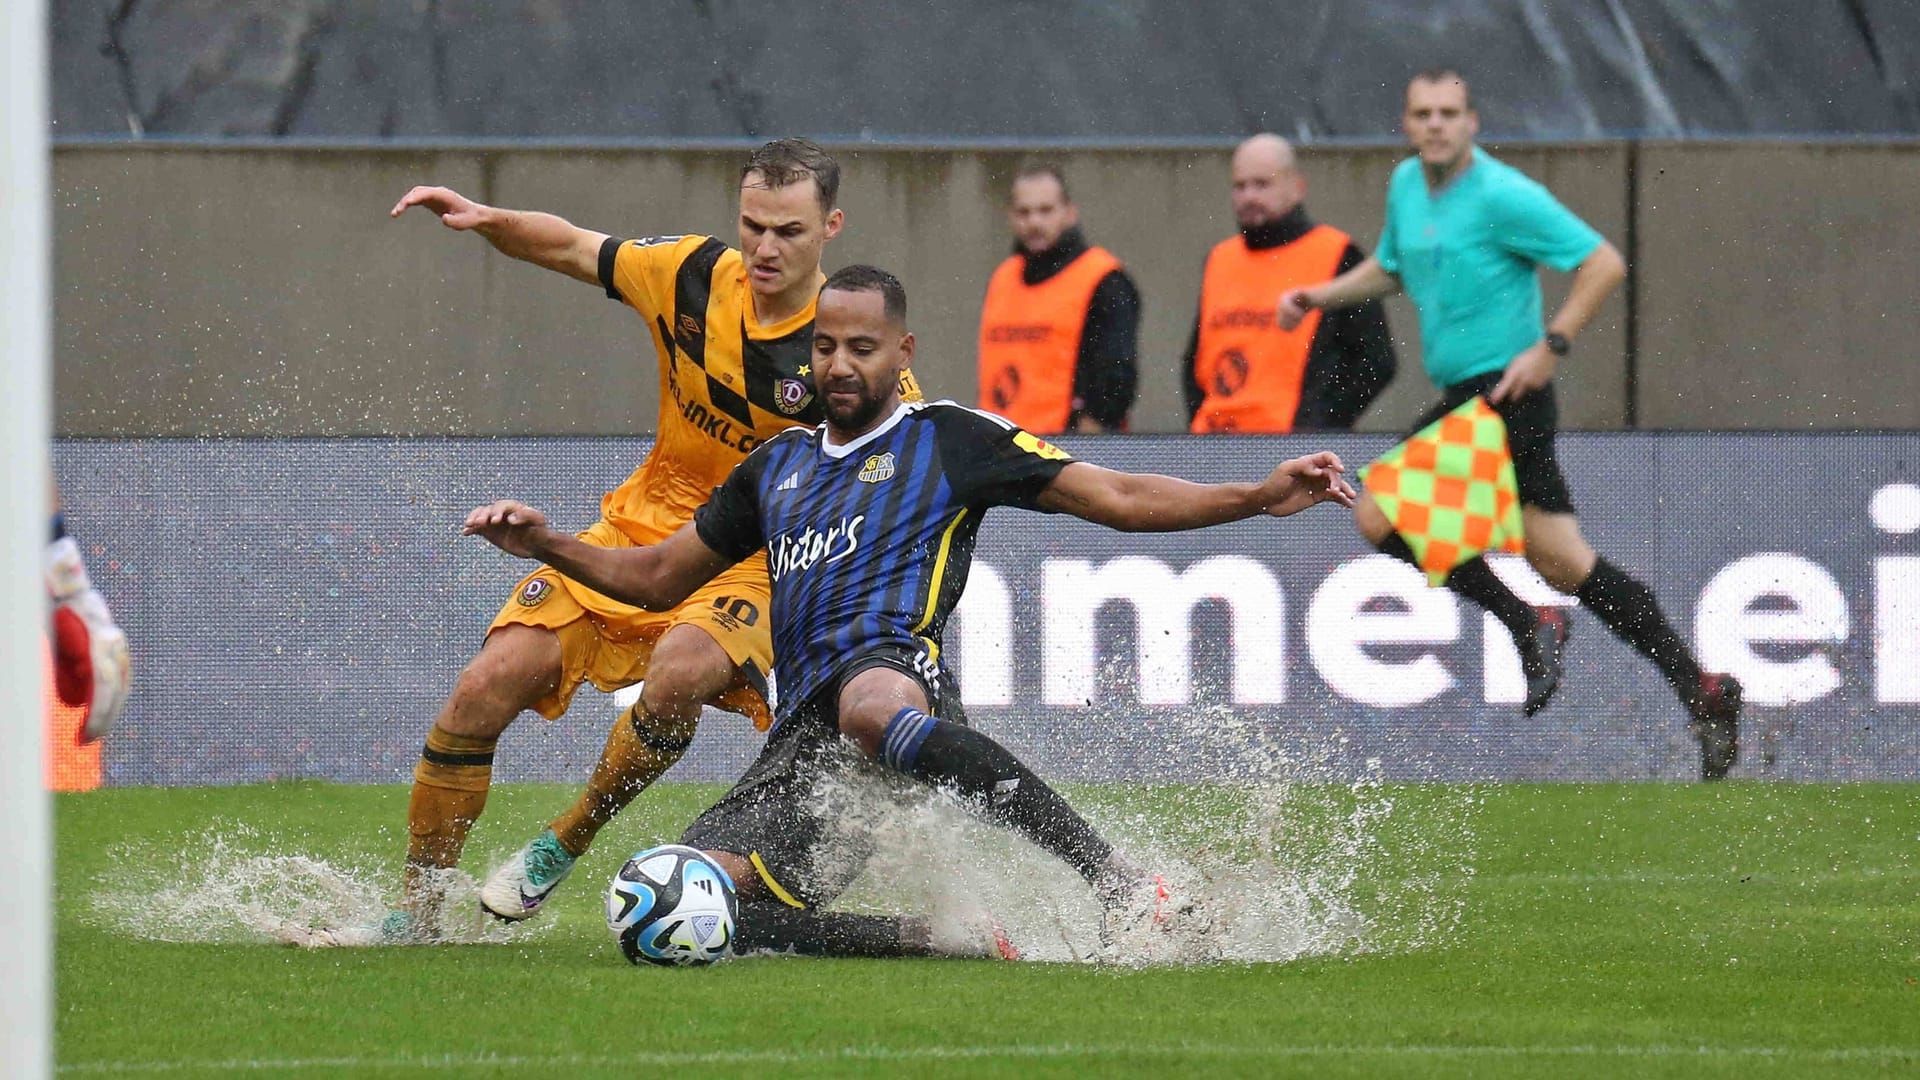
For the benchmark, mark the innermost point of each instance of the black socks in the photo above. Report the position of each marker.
(985, 773)
(777, 927)
(1631, 612)
(1476, 581)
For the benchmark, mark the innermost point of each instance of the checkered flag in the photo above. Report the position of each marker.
(1449, 489)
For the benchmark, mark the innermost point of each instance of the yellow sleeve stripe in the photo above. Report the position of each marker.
(766, 875)
(939, 571)
(1039, 447)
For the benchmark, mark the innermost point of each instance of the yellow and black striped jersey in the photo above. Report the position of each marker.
(727, 383)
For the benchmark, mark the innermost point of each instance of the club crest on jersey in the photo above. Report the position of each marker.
(792, 395)
(877, 468)
(533, 592)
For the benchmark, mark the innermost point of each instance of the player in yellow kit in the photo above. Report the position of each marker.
(732, 332)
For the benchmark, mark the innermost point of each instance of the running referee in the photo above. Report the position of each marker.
(1465, 236)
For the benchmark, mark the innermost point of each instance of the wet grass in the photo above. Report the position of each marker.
(1651, 929)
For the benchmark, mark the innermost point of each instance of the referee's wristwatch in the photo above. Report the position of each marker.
(1557, 344)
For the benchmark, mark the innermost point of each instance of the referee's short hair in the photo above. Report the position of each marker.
(862, 278)
(1445, 74)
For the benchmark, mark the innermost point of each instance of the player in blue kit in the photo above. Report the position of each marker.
(869, 522)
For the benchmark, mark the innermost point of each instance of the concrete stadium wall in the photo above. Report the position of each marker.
(1779, 282)
(263, 291)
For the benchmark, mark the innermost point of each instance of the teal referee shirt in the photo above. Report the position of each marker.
(1468, 255)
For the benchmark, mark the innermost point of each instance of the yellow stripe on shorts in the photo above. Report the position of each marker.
(766, 875)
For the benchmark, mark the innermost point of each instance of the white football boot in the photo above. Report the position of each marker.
(970, 931)
(1153, 923)
(520, 885)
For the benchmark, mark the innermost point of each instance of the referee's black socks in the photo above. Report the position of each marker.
(1476, 581)
(985, 773)
(1631, 612)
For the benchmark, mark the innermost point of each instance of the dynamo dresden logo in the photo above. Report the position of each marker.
(792, 395)
(534, 591)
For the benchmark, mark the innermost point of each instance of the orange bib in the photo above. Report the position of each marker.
(1249, 369)
(1030, 339)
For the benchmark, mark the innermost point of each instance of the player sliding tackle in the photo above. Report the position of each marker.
(869, 523)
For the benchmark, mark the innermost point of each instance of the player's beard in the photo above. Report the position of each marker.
(859, 416)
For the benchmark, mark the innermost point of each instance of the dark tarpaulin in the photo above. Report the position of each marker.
(1115, 70)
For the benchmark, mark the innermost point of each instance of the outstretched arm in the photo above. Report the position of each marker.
(541, 239)
(1368, 281)
(656, 577)
(1143, 502)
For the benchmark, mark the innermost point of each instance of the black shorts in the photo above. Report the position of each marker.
(802, 811)
(1532, 421)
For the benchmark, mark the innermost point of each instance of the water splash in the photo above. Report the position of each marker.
(1294, 854)
(234, 884)
(1290, 861)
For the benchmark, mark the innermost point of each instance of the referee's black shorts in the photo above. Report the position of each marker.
(1532, 421)
(802, 812)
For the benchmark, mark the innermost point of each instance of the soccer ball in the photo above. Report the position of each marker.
(673, 906)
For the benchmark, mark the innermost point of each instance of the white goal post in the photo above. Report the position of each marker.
(26, 926)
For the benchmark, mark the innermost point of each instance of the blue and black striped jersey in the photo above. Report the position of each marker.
(869, 543)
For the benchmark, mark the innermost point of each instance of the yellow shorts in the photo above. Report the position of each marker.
(608, 643)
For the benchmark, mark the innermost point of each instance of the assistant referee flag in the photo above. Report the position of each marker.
(1449, 490)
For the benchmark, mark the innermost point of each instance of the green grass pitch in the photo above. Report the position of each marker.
(1643, 930)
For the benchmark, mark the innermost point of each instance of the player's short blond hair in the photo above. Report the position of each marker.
(787, 161)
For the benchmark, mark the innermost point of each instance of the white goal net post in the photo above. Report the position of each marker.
(26, 926)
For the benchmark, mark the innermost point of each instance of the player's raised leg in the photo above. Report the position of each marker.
(884, 710)
(687, 669)
(1563, 557)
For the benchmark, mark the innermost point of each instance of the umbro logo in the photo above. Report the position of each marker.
(791, 483)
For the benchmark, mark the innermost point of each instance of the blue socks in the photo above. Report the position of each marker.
(905, 733)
